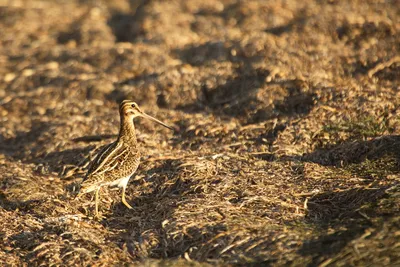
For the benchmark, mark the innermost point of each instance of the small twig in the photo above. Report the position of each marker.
(151, 159)
(382, 66)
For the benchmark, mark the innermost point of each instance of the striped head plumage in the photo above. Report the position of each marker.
(130, 110)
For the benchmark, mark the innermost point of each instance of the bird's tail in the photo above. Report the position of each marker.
(84, 189)
(80, 190)
(78, 193)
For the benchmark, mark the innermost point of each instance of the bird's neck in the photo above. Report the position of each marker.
(127, 130)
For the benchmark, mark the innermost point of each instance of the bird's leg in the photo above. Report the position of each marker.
(123, 198)
(97, 201)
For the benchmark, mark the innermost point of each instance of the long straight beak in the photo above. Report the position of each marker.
(144, 115)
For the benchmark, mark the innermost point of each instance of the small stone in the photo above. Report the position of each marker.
(8, 249)
(41, 110)
(52, 65)
(28, 72)
(9, 77)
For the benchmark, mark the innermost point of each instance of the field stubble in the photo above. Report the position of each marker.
(286, 150)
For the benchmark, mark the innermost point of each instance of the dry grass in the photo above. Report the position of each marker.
(287, 143)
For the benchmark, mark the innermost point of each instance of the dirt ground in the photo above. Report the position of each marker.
(286, 149)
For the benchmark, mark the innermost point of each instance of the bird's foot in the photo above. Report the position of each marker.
(99, 217)
(126, 204)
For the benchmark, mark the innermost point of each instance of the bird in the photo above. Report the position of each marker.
(118, 161)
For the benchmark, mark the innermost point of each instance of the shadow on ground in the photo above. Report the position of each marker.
(350, 152)
(30, 147)
(247, 94)
(143, 232)
(126, 26)
(342, 215)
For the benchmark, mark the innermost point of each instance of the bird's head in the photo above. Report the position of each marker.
(130, 110)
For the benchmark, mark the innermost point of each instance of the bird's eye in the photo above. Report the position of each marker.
(133, 105)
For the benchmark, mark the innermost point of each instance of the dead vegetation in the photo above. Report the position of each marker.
(286, 150)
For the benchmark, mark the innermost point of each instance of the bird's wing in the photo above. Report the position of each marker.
(114, 160)
(104, 158)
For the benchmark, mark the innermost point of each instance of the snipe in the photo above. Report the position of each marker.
(118, 161)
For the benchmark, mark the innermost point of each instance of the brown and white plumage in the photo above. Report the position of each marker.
(117, 162)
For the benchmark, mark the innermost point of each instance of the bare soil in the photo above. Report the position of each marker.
(286, 149)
